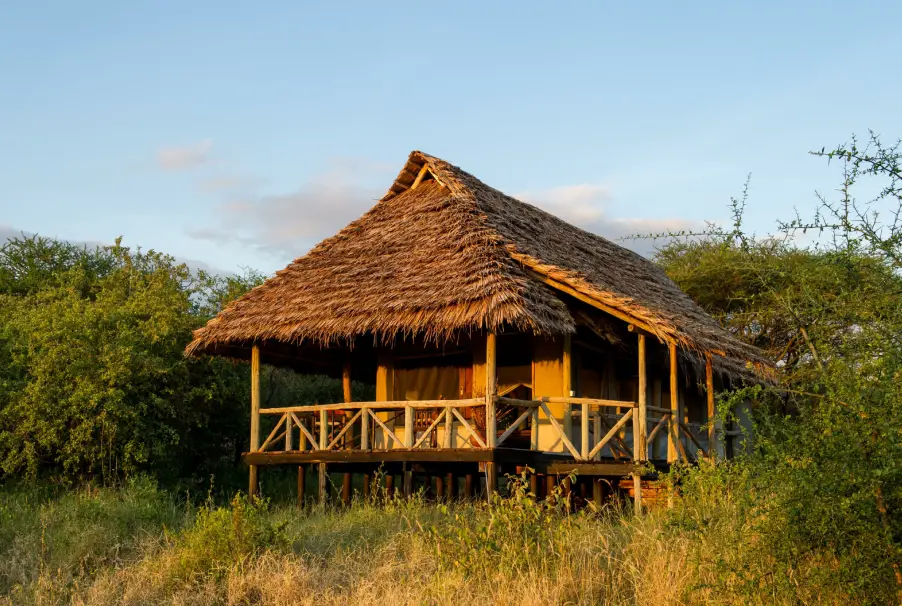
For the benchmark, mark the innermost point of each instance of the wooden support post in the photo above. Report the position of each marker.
(323, 442)
(255, 418)
(491, 480)
(346, 379)
(346, 489)
(584, 433)
(301, 481)
(712, 411)
(367, 476)
(450, 487)
(640, 421)
(439, 488)
(534, 430)
(365, 429)
(346, 391)
(468, 486)
(596, 418)
(597, 492)
(491, 434)
(549, 485)
(534, 484)
(322, 484)
(323, 429)
(302, 437)
(449, 428)
(408, 427)
(252, 481)
(407, 480)
(567, 385)
(637, 493)
(389, 486)
(672, 434)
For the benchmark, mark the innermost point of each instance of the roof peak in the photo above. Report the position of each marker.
(422, 167)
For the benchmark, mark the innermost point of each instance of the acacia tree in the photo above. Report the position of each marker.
(821, 491)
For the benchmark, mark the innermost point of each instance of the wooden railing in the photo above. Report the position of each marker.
(356, 425)
(603, 424)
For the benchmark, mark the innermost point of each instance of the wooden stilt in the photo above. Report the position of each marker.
(598, 492)
(549, 485)
(366, 485)
(389, 486)
(640, 427)
(450, 487)
(673, 433)
(491, 434)
(439, 488)
(346, 489)
(255, 418)
(468, 486)
(491, 480)
(322, 484)
(637, 493)
(252, 486)
(534, 484)
(567, 386)
(408, 481)
(301, 482)
(712, 410)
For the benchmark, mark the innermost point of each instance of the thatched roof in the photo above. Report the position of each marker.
(442, 253)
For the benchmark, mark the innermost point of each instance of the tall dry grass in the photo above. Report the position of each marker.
(85, 548)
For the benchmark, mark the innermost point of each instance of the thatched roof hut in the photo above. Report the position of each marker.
(443, 254)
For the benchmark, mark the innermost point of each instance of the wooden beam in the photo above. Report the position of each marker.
(557, 426)
(592, 469)
(346, 379)
(608, 436)
(567, 386)
(346, 489)
(321, 484)
(589, 300)
(379, 405)
(491, 382)
(592, 401)
(640, 429)
(255, 416)
(513, 426)
(301, 482)
(408, 427)
(672, 437)
(420, 176)
(712, 410)
(365, 429)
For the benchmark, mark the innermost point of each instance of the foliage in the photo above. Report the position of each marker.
(93, 381)
(516, 531)
(824, 480)
(140, 545)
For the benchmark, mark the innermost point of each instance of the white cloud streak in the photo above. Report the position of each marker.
(184, 157)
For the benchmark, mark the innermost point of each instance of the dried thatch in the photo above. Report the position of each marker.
(453, 254)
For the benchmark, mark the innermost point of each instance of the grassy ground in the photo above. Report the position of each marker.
(139, 545)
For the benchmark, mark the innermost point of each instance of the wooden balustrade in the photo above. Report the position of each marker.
(364, 426)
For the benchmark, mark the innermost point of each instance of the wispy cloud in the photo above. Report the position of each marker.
(587, 205)
(287, 225)
(185, 156)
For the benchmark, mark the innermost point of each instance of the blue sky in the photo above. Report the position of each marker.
(240, 134)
